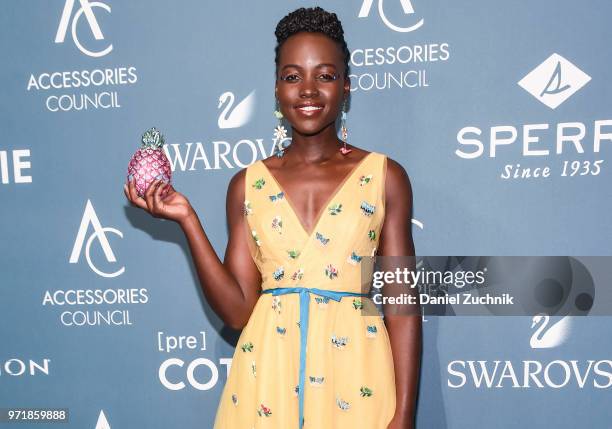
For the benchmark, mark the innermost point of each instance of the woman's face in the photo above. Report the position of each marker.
(310, 84)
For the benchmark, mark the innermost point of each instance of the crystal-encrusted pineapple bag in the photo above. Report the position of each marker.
(149, 162)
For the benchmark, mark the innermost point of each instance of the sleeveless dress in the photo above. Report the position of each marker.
(315, 353)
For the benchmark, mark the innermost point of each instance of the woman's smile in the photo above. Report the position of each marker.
(309, 109)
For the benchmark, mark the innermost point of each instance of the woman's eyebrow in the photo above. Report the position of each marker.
(326, 65)
(286, 66)
(299, 67)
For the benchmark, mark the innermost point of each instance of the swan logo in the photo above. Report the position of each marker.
(90, 217)
(102, 422)
(235, 116)
(407, 7)
(87, 9)
(546, 337)
(554, 81)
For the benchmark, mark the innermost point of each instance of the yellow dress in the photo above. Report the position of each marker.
(314, 351)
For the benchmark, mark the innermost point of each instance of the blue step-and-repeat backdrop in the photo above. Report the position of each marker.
(499, 111)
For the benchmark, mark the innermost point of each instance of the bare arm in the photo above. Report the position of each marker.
(231, 287)
(404, 330)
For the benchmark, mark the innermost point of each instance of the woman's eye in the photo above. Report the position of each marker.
(291, 78)
(327, 77)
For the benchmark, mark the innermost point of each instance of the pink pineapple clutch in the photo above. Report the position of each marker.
(149, 162)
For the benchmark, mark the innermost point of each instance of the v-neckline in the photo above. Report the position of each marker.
(324, 207)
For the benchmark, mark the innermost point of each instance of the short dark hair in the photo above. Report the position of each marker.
(314, 20)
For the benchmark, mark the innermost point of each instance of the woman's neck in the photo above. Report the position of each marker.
(316, 148)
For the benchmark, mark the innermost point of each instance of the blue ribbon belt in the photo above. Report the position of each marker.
(304, 307)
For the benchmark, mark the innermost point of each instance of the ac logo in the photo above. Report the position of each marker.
(90, 217)
(407, 7)
(87, 9)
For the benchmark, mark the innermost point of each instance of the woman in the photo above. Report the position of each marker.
(300, 223)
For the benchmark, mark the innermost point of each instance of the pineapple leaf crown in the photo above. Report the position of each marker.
(152, 138)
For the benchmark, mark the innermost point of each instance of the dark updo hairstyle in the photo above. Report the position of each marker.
(314, 20)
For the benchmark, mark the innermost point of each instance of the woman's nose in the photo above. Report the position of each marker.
(309, 88)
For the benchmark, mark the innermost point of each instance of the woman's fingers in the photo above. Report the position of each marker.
(157, 194)
(151, 201)
(165, 191)
(132, 191)
(149, 197)
(134, 198)
(170, 190)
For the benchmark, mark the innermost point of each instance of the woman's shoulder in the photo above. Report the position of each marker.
(397, 181)
(241, 175)
(237, 182)
(391, 166)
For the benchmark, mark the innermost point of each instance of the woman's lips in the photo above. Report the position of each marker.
(309, 110)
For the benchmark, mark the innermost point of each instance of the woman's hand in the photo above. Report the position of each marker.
(173, 206)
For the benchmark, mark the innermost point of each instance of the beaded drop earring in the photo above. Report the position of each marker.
(280, 133)
(344, 150)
